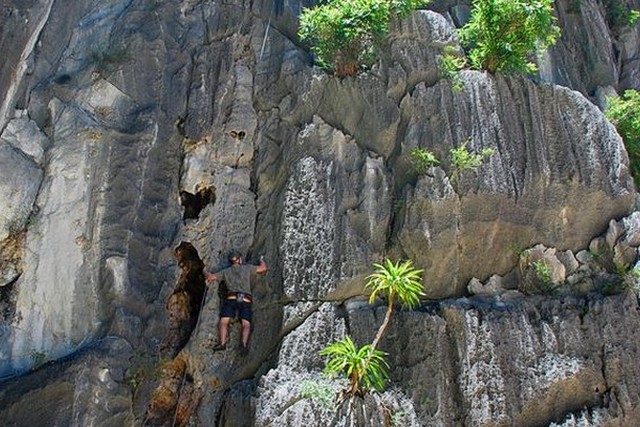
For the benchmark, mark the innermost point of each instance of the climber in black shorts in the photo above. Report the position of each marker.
(238, 300)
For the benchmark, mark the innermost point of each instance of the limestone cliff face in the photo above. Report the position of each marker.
(129, 128)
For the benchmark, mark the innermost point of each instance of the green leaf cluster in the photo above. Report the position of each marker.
(397, 279)
(462, 159)
(345, 34)
(449, 63)
(619, 15)
(422, 159)
(317, 391)
(624, 113)
(543, 272)
(503, 34)
(365, 367)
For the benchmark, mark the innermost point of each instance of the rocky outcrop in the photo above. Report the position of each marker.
(470, 227)
(131, 130)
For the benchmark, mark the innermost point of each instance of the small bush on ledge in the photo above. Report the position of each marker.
(345, 34)
(502, 35)
(624, 113)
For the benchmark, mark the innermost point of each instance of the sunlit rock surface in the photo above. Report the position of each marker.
(112, 109)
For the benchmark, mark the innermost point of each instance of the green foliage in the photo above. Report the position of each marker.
(397, 418)
(319, 392)
(450, 63)
(502, 34)
(400, 280)
(624, 113)
(422, 159)
(345, 34)
(619, 15)
(364, 367)
(38, 358)
(108, 58)
(515, 248)
(538, 277)
(543, 273)
(626, 278)
(462, 159)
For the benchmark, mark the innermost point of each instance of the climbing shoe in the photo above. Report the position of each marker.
(219, 347)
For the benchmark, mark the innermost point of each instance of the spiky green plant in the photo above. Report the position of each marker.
(365, 367)
(394, 280)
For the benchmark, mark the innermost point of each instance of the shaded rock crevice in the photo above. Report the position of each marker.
(185, 302)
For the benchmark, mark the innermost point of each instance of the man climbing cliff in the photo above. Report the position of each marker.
(237, 302)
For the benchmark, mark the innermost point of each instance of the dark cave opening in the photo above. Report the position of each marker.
(194, 203)
(184, 303)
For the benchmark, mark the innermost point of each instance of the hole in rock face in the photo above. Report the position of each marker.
(62, 79)
(191, 274)
(237, 134)
(7, 301)
(183, 305)
(194, 203)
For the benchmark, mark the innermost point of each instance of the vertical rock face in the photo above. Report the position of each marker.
(532, 189)
(131, 128)
(521, 362)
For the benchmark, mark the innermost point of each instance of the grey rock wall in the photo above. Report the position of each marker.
(111, 109)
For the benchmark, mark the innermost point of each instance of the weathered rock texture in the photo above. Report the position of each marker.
(132, 129)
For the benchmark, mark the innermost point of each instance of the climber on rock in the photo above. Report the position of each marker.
(237, 302)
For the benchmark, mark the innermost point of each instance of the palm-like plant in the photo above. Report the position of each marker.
(400, 280)
(365, 367)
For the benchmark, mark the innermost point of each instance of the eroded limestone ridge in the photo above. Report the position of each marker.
(128, 127)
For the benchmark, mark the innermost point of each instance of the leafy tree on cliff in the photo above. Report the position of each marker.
(502, 35)
(346, 34)
(624, 113)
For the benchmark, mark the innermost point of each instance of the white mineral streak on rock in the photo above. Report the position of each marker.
(308, 231)
(308, 234)
(376, 195)
(587, 418)
(481, 378)
(549, 339)
(55, 307)
(118, 268)
(551, 369)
